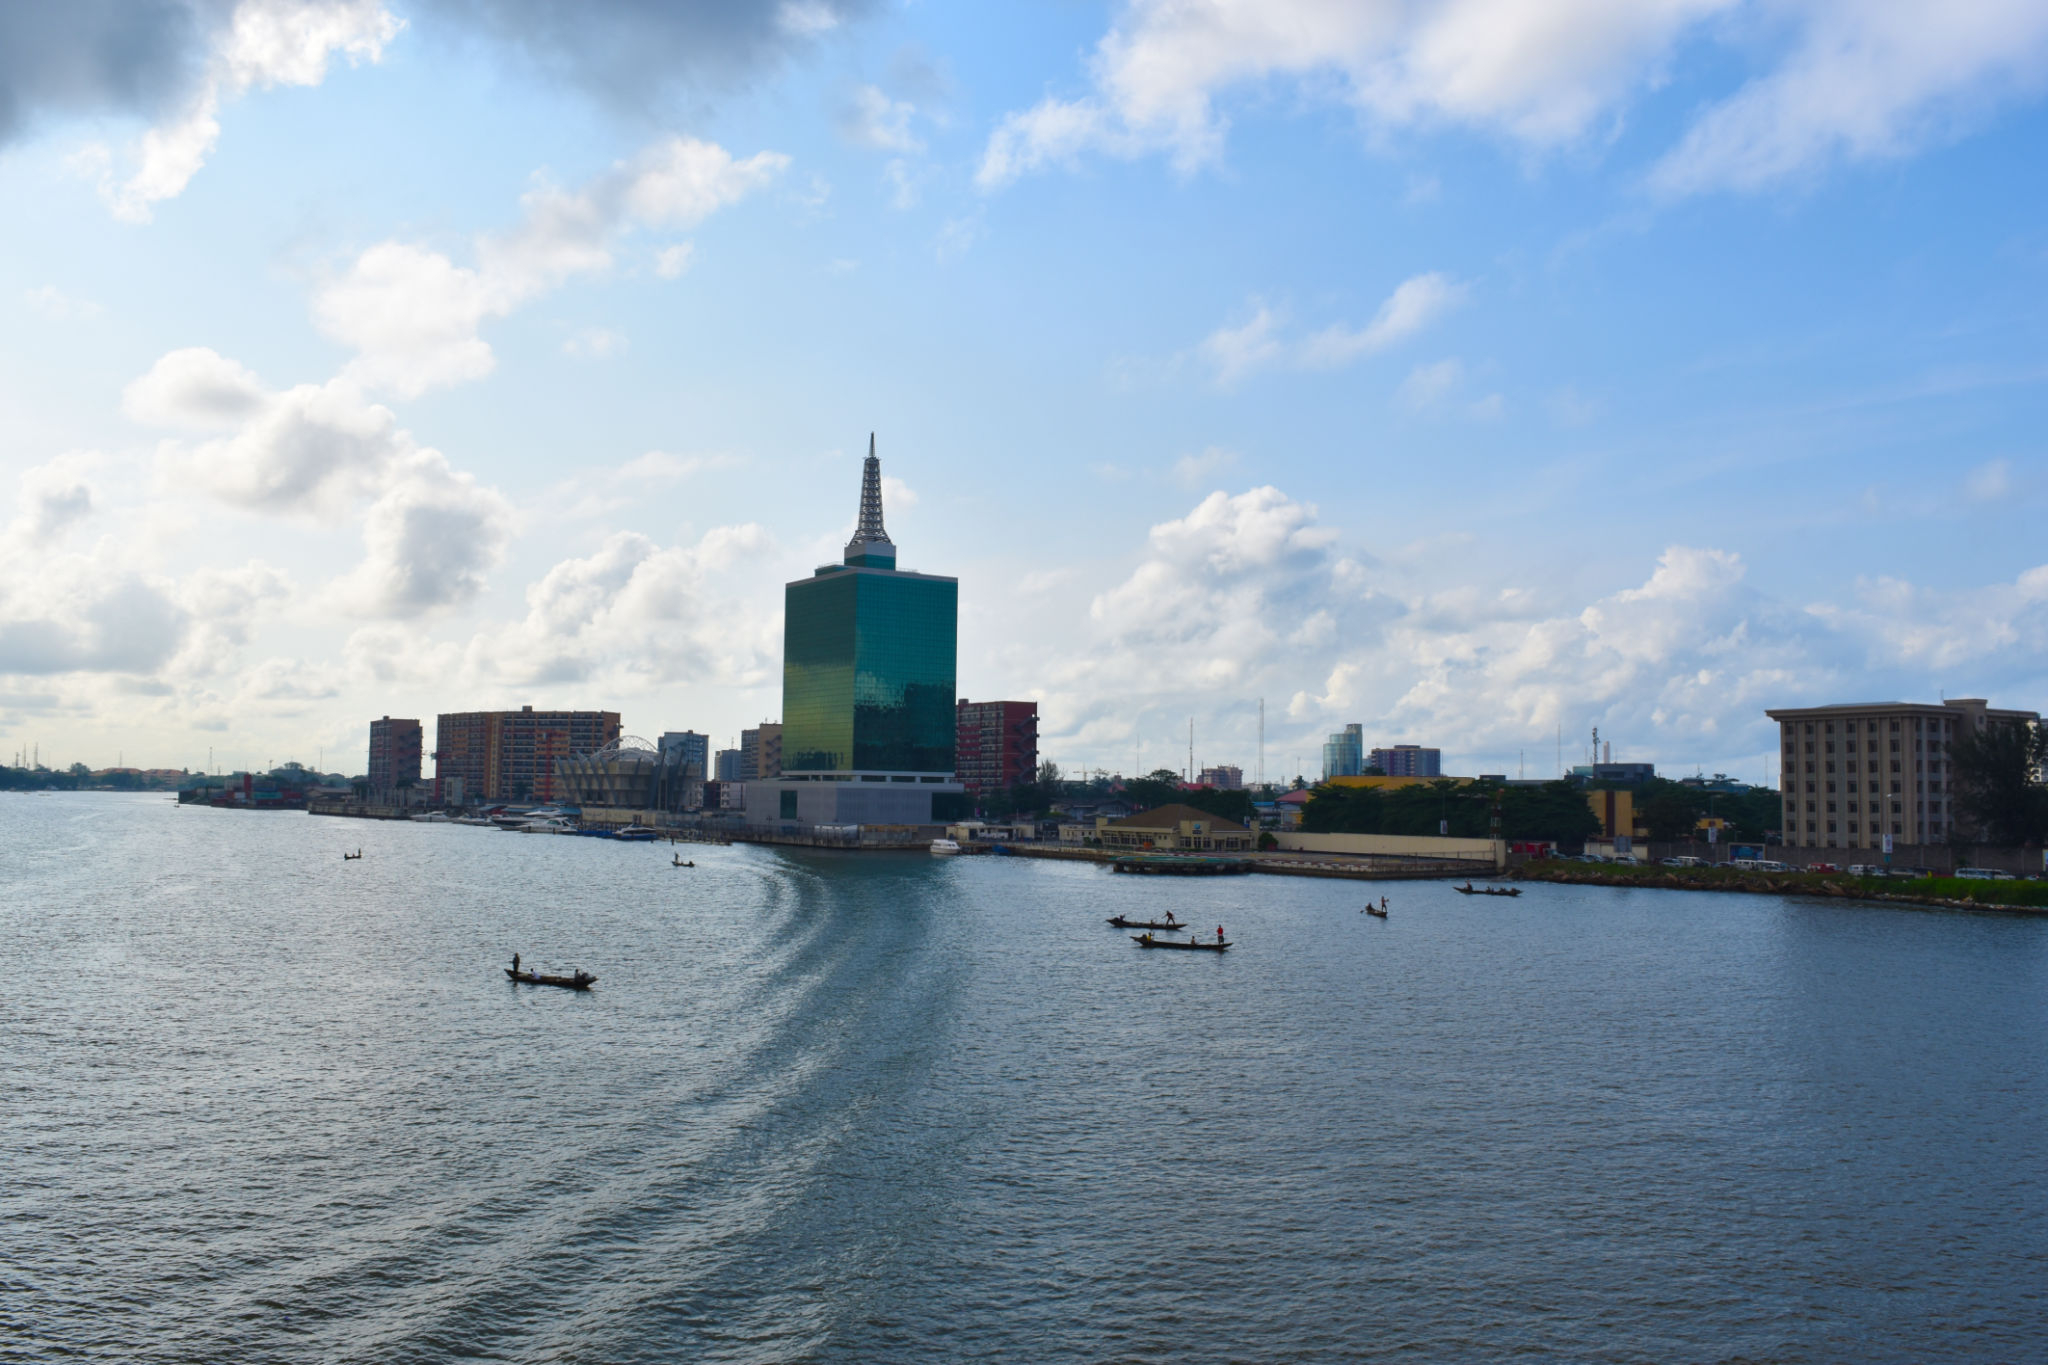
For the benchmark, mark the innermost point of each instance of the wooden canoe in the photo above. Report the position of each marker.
(578, 982)
(1211, 946)
(1120, 922)
(1488, 890)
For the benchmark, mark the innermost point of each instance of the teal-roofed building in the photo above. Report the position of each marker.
(868, 658)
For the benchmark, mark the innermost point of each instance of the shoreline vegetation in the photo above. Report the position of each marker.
(1954, 893)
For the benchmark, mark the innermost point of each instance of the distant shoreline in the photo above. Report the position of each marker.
(1949, 893)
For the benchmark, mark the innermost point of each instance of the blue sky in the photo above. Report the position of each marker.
(1474, 371)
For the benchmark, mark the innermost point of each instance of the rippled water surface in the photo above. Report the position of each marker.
(265, 1105)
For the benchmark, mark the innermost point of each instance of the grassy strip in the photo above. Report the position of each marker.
(1944, 889)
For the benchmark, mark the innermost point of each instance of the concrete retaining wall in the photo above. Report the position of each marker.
(1492, 851)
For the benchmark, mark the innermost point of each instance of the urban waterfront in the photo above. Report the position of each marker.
(268, 1105)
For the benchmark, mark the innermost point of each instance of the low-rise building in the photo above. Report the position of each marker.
(1853, 774)
(1176, 829)
(1224, 777)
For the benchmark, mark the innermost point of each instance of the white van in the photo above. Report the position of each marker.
(1985, 874)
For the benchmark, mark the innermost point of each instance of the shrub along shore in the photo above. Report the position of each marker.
(1955, 893)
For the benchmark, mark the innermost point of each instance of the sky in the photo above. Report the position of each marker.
(1476, 371)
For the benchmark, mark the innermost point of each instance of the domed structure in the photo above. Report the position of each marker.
(620, 775)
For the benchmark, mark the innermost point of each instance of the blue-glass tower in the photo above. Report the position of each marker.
(868, 676)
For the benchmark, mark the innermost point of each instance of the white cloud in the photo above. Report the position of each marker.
(1428, 385)
(1234, 352)
(1415, 304)
(429, 540)
(310, 449)
(1859, 80)
(54, 304)
(52, 498)
(594, 343)
(195, 389)
(806, 18)
(634, 615)
(671, 261)
(1191, 471)
(414, 316)
(1990, 481)
(871, 119)
(265, 43)
(1864, 82)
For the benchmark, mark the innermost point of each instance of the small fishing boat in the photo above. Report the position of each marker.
(1216, 945)
(1470, 890)
(1375, 911)
(351, 857)
(944, 848)
(677, 861)
(1169, 922)
(581, 981)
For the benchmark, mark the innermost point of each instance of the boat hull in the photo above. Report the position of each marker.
(1191, 945)
(567, 983)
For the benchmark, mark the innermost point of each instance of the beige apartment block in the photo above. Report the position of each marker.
(1853, 774)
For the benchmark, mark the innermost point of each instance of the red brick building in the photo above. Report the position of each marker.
(511, 755)
(995, 744)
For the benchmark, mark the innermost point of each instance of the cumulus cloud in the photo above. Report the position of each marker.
(1248, 594)
(264, 43)
(414, 316)
(101, 609)
(1858, 81)
(870, 118)
(1234, 352)
(637, 615)
(195, 388)
(644, 53)
(310, 449)
(429, 539)
(52, 498)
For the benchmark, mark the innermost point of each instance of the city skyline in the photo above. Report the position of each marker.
(1645, 384)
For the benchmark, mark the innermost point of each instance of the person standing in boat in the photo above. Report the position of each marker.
(515, 964)
(1219, 933)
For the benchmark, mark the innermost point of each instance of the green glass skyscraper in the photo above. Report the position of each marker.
(867, 683)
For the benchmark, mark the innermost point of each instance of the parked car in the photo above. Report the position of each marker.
(1985, 874)
(1683, 862)
(1867, 870)
(1823, 867)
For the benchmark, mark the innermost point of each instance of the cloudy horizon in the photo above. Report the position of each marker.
(1479, 371)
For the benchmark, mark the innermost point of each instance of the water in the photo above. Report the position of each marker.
(265, 1105)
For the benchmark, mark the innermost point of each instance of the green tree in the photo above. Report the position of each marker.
(1671, 812)
(1998, 786)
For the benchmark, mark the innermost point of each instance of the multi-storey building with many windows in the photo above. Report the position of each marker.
(1407, 760)
(868, 657)
(512, 755)
(1854, 774)
(394, 756)
(995, 744)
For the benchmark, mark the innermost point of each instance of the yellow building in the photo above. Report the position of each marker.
(1390, 783)
(1616, 812)
(1175, 829)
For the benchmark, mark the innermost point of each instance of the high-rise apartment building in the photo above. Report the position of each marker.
(995, 744)
(1853, 774)
(1407, 760)
(726, 767)
(511, 755)
(1224, 777)
(394, 756)
(1344, 753)
(867, 686)
(761, 751)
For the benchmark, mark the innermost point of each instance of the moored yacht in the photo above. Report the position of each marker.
(944, 848)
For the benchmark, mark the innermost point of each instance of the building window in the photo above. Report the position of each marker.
(1852, 826)
(1831, 789)
(1831, 827)
(1809, 805)
(1897, 828)
(1831, 811)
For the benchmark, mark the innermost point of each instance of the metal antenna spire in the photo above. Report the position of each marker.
(870, 538)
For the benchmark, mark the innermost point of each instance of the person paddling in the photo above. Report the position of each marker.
(1219, 933)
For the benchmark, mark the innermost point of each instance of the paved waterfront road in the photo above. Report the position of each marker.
(263, 1105)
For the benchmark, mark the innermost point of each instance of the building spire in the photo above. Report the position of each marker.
(871, 545)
